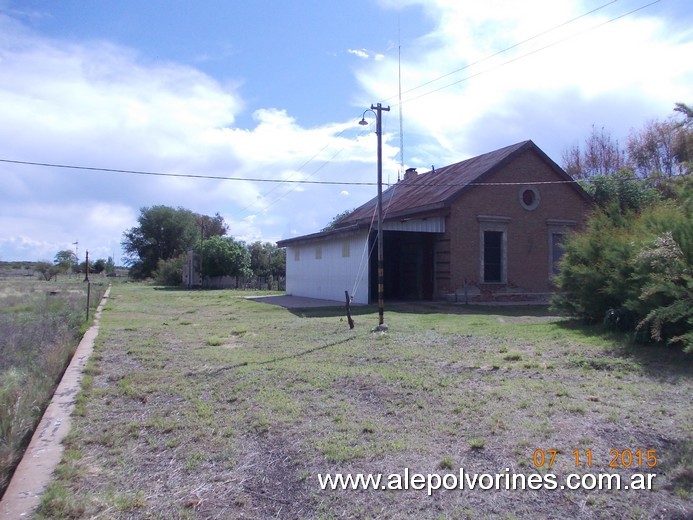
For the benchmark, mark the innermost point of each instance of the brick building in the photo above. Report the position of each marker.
(487, 229)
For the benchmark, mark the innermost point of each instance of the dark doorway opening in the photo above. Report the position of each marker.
(493, 256)
(408, 265)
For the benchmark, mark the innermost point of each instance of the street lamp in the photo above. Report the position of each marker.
(378, 111)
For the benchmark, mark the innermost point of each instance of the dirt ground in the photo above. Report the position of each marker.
(207, 405)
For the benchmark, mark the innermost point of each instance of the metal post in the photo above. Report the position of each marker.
(86, 279)
(381, 264)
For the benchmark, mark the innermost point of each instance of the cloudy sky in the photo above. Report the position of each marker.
(227, 97)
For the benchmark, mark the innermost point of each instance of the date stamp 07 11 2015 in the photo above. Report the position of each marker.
(585, 458)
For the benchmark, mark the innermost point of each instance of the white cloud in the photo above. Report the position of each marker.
(578, 68)
(361, 53)
(100, 105)
(94, 103)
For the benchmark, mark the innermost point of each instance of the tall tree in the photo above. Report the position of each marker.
(212, 226)
(266, 259)
(599, 155)
(66, 260)
(336, 219)
(683, 146)
(687, 111)
(223, 256)
(651, 151)
(163, 233)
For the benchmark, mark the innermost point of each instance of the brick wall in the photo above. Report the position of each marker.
(527, 270)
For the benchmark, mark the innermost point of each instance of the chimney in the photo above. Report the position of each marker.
(410, 172)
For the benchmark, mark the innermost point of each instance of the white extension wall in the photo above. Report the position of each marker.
(325, 269)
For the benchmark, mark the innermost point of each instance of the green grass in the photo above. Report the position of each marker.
(40, 326)
(237, 411)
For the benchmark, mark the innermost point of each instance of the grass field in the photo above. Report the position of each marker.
(207, 405)
(40, 326)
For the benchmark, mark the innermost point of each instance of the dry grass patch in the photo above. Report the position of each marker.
(40, 326)
(178, 426)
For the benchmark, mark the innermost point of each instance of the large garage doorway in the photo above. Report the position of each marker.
(408, 265)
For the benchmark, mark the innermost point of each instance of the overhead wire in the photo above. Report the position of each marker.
(400, 102)
(522, 56)
(185, 175)
(397, 185)
(502, 51)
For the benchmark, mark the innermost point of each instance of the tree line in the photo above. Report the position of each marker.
(157, 247)
(632, 265)
(66, 262)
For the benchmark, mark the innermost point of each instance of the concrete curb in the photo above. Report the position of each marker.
(45, 450)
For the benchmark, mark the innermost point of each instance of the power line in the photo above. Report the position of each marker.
(498, 53)
(397, 185)
(344, 183)
(522, 56)
(185, 175)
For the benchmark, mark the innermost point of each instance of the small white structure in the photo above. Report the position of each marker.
(324, 265)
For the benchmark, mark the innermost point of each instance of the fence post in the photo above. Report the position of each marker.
(348, 309)
(88, 298)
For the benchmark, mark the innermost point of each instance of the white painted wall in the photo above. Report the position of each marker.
(330, 275)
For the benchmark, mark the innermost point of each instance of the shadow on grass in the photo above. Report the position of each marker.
(655, 359)
(418, 307)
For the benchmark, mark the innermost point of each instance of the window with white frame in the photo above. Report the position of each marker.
(493, 256)
(493, 251)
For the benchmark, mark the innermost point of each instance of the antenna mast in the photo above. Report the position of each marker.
(401, 131)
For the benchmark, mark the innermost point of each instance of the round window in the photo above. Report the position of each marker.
(529, 197)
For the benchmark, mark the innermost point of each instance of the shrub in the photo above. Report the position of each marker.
(595, 269)
(666, 300)
(170, 272)
(634, 271)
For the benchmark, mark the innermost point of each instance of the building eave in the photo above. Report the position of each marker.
(321, 235)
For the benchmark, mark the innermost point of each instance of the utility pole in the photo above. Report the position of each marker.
(378, 111)
(381, 264)
(86, 279)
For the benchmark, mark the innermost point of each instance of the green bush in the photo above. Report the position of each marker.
(170, 272)
(595, 269)
(634, 270)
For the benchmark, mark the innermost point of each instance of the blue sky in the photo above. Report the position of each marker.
(273, 90)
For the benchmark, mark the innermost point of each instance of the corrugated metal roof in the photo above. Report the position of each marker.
(437, 189)
(434, 189)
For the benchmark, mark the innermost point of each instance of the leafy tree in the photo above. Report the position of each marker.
(223, 256)
(653, 150)
(661, 149)
(335, 220)
(47, 270)
(686, 111)
(266, 259)
(212, 226)
(163, 233)
(599, 155)
(683, 146)
(110, 265)
(98, 267)
(66, 260)
(620, 192)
